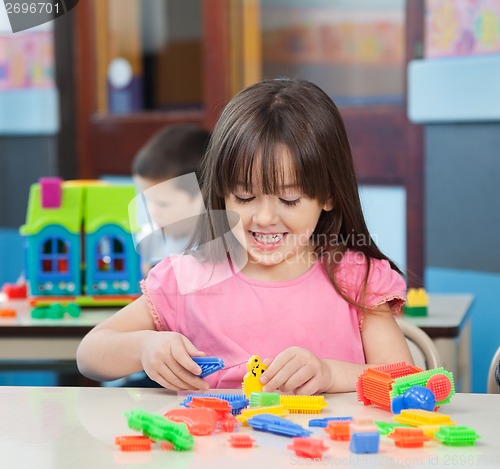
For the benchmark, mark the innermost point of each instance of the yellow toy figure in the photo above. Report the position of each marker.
(251, 380)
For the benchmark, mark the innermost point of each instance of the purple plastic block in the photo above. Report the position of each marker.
(51, 192)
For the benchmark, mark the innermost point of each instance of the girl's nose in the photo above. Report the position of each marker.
(265, 213)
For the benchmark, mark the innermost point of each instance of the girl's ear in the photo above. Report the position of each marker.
(328, 205)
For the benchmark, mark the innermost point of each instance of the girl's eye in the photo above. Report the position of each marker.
(290, 203)
(243, 200)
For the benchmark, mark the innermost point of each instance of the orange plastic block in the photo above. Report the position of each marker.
(408, 437)
(133, 443)
(419, 418)
(374, 384)
(363, 426)
(308, 447)
(241, 440)
(200, 421)
(8, 313)
(339, 430)
(303, 404)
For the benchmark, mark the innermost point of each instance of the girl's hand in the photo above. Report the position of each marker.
(166, 358)
(296, 370)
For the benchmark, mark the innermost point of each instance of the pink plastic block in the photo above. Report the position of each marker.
(51, 192)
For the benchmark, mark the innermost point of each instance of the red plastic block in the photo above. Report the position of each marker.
(227, 422)
(133, 443)
(214, 403)
(308, 447)
(14, 291)
(240, 440)
(166, 446)
(440, 385)
(200, 421)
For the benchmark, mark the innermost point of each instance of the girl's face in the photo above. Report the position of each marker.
(277, 227)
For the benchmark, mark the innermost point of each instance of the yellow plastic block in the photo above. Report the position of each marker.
(249, 412)
(251, 380)
(417, 297)
(419, 418)
(303, 404)
(429, 430)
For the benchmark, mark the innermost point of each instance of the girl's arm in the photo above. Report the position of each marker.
(298, 370)
(383, 343)
(128, 342)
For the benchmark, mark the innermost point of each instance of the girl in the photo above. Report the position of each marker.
(311, 293)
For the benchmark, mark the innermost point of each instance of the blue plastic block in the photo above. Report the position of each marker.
(277, 425)
(416, 397)
(364, 442)
(323, 423)
(209, 365)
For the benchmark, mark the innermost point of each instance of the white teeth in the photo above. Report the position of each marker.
(274, 238)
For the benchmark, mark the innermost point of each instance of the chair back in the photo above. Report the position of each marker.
(424, 352)
(492, 379)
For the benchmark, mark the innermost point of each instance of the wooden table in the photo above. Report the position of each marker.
(51, 344)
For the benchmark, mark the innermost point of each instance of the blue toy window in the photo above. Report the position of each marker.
(111, 255)
(54, 256)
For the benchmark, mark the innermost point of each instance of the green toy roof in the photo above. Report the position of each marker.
(107, 204)
(85, 204)
(68, 215)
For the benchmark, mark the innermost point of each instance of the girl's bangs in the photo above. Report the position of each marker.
(265, 163)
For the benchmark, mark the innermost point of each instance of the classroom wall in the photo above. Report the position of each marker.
(462, 174)
(23, 159)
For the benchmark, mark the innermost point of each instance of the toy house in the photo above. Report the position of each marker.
(79, 244)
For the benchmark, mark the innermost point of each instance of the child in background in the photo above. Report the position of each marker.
(289, 273)
(173, 151)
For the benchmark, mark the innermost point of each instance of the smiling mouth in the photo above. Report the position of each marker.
(268, 239)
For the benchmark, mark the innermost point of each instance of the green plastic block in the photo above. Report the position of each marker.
(264, 399)
(158, 427)
(39, 312)
(55, 311)
(415, 311)
(401, 385)
(73, 310)
(456, 436)
(386, 427)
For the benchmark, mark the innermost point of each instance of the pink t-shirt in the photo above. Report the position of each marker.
(236, 316)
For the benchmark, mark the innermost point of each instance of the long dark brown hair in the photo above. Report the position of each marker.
(299, 116)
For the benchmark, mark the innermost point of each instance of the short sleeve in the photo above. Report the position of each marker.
(384, 285)
(160, 290)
